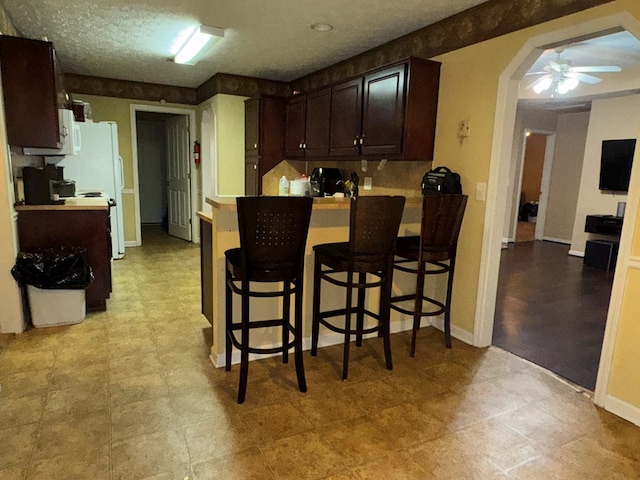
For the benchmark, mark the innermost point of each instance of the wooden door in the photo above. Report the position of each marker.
(251, 126)
(346, 116)
(294, 136)
(383, 112)
(178, 177)
(318, 123)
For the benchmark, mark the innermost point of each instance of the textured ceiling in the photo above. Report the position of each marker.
(266, 39)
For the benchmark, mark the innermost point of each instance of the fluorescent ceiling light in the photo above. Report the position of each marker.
(197, 44)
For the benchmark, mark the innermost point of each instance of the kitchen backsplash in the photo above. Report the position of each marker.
(395, 178)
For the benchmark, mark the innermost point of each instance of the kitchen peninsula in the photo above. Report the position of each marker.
(329, 223)
(78, 222)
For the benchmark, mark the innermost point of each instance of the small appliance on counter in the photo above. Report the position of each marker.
(62, 188)
(37, 184)
(325, 182)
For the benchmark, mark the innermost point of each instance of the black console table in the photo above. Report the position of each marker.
(603, 253)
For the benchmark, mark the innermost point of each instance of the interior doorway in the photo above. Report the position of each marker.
(502, 155)
(166, 190)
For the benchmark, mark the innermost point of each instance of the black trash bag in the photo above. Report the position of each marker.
(53, 268)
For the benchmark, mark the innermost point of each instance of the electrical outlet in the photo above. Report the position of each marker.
(368, 181)
(463, 128)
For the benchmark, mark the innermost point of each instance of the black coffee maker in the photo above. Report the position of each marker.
(324, 182)
(37, 184)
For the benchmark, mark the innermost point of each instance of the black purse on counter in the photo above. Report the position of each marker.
(441, 180)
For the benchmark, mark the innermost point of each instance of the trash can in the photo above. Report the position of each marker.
(54, 281)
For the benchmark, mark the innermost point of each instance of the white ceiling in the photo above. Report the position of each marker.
(266, 39)
(621, 49)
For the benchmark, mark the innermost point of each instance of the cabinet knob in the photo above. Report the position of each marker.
(355, 141)
(255, 167)
(361, 139)
(255, 145)
(300, 146)
(304, 145)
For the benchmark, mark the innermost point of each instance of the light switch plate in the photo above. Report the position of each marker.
(481, 192)
(368, 181)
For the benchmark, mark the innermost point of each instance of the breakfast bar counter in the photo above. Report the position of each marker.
(329, 223)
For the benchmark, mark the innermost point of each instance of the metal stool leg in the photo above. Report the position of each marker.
(228, 311)
(302, 383)
(315, 320)
(244, 350)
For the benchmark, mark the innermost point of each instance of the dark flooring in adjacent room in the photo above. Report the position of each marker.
(552, 310)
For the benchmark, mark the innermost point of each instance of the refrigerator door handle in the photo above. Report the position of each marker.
(77, 138)
(121, 172)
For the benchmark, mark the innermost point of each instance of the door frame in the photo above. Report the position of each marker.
(501, 151)
(134, 108)
(545, 180)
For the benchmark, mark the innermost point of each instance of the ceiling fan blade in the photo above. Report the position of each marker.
(536, 73)
(601, 69)
(590, 79)
(555, 66)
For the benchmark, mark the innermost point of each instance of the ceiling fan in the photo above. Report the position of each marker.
(562, 77)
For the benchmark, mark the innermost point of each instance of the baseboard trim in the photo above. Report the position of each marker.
(576, 253)
(556, 240)
(622, 409)
(332, 338)
(130, 243)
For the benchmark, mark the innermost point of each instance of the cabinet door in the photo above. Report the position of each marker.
(317, 124)
(251, 177)
(383, 112)
(251, 126)
(294, 137)
(30, 98)
(346, 115)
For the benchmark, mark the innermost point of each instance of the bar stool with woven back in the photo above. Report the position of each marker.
(438, 242)
(373, 227)
(273, 233)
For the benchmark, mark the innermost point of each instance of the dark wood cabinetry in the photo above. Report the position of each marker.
(295, 126)
(346, 118)
(30, 86)
(206, 269)
(89, 229)
(264, 136)
(388, 113)
(307, 125)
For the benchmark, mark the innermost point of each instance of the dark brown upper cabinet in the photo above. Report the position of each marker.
(295, 130)
(31, 92)
(307, 130)
(264, 133)
(388, 113)
(346, 118)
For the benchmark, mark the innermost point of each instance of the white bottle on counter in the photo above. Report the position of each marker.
(283, 187)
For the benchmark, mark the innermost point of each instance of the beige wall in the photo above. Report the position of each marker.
(610, 119)
(11, 320)
(571, 136)
(119, 110)
(229, 142)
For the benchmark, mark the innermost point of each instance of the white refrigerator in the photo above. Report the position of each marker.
(98, 168)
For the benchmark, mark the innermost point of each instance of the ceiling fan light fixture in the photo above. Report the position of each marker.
(542, 85)
(198, 43)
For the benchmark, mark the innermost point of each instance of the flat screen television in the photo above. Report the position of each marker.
(615, 164)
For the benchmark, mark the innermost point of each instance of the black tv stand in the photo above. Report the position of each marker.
(603, 253)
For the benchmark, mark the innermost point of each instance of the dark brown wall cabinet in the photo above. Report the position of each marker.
(388, 113)
(307, 125)
(30, 86)
(264, 135)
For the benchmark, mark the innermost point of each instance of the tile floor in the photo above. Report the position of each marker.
(130, 394)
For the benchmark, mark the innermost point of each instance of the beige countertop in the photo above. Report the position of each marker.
(206, 216)
(329, 203)
(71, 203)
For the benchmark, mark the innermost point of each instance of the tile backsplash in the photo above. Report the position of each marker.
(394, 178)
